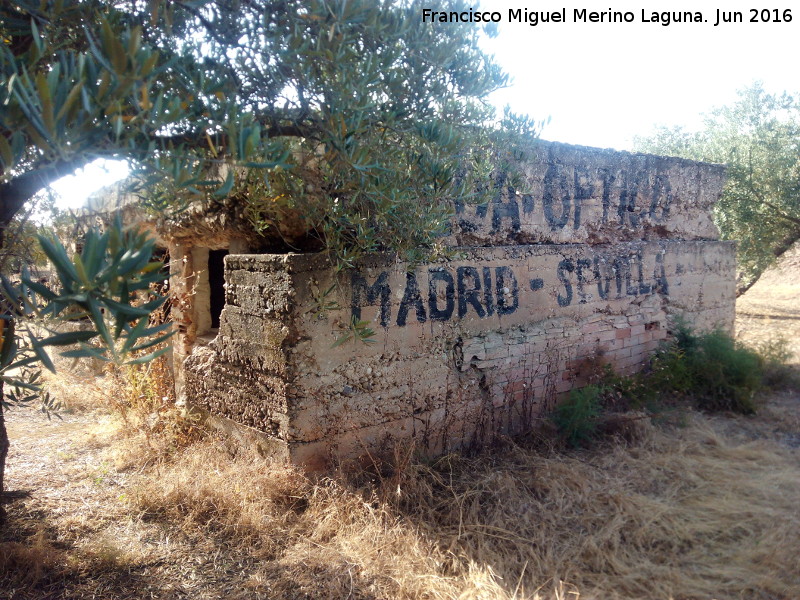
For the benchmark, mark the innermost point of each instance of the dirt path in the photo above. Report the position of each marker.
(72, 500)
(771, 308)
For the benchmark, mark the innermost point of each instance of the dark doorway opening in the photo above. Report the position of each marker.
(216, 283)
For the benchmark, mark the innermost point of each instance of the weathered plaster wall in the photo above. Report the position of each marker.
(574, 194)
(587, 264)
(463, 350)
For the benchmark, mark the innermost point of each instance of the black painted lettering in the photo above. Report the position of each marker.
(660, 276)
(630, 288)
(556, 191)
(602, 277)
(527, 203)
(469, 295)
(583, 191)
(619, 265)
(411, 297)
(365, 295)
(627, 200)
(581, 266)
(487, 291)
(436, 313)
(608, 182)
(564, 267)
(662, 196)
(644, 288)
(506, 286)
(499, 182)
(505, 210)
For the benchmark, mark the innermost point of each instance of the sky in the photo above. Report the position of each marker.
(602, 83)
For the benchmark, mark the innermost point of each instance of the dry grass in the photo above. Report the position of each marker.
(703, 507)
(24, 565)
(704, 510)
(93, 395)
(686, 513)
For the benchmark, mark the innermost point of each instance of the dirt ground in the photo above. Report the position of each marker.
(771, 308)
(75, 531)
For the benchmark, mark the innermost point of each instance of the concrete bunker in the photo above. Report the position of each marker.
(588, 263)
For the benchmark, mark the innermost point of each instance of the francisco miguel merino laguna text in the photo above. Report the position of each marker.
(579, 15)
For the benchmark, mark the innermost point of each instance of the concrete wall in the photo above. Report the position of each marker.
(463, 350)
(586, 265)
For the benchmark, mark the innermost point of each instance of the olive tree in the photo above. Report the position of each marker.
(758, 136)
(351, 114)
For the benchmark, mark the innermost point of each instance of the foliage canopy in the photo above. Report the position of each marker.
(348, 114)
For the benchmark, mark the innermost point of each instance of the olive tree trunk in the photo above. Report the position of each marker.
(4, 444)
(4, 331)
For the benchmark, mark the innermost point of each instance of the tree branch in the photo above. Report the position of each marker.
(779, 213)
(272, 129)
(777, 251)
(16, 192)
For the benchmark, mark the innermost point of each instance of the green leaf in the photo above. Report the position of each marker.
(37, 38)
(86, 352)
(97, 318)
(6, 153)
(134, 261)
(21, 384)
(149, 63)
(344, 338)
(120, 309)
(252, 141)
(154, 304)
(41, 354)
(94, 250)
(67, 299)
(226, 187)
(134, 335)
(40, 289)
(113, 47)
(147, 357)
(84, 278)
(69, 337)
(46, 103)
(58, 256)
(152, 267)
(72, 98)
(153, 342)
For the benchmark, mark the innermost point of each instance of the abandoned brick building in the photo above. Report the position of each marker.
(587, 265)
